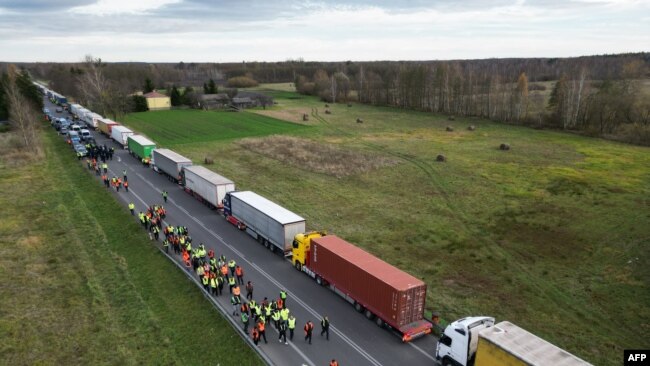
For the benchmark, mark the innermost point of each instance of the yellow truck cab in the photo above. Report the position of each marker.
(301, 245)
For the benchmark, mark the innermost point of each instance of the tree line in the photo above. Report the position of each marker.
(599, 95)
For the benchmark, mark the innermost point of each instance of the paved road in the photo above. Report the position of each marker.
(354, 340)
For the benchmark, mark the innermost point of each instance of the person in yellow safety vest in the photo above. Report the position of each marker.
(220, 284)
(213, 264)
(292, 325)
(267, 311)
(200, 271)
(188, 247)
(276, 319)
(231, 283)
(234, 300)
(166, 245)
(284, 314)
(213, 285)
(132, 208)
(258, 311)
(142, 219)
(206, 281)
(232, 264)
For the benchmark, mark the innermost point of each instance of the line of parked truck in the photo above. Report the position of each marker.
(391, 297)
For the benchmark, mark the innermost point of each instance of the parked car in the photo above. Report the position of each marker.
(59, 109)
(85, 135)
(73, 137)
(75, 128)
(60, 122)
(46, 110)
(79, 148)
(63, 130)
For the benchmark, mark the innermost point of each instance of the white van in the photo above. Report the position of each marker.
(75, 128)
(85, 134)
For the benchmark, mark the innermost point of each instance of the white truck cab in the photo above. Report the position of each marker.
(459, 341)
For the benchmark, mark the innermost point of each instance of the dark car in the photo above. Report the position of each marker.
(80, 149)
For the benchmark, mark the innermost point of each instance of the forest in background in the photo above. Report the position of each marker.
(605, 95)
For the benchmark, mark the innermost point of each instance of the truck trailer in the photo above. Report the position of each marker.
(384, 293)
(120, 133)
(269, 223)
(140, 146)
(90, 118)
(105, 126)
(206, 185)
(478, 341)
(74, 109)
(169, 163)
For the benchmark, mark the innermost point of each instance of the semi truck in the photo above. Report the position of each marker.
(90, 118)
(391, 297)
(478, 341)
(120, 133)
(169, 163)
(140, 146)
(105, 126)
(266, 221)
(206, 185)
(74, 109)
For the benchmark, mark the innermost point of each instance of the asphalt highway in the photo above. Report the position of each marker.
(354, 340)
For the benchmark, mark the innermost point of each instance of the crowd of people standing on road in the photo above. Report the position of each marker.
(213, 272)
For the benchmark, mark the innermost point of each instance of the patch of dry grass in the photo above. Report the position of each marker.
(317, 157)
(12, 153)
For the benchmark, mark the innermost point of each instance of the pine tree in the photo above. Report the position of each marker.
(148, 86)
(175, 97)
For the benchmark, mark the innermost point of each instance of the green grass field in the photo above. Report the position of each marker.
(82, 284)
(188, 126)
(552, 235)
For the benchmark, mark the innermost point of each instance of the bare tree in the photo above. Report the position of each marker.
(94, 86)
(22, 114)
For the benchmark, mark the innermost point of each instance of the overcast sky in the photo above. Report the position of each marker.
(277, 30)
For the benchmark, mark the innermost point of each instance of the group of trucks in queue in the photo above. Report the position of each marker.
(391, 297)
(385, 294)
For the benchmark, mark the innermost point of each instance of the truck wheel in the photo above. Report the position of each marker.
(380, 322)
(319, 280)
(358, 307)
(446, 362)
(369, 314)
(298, 266)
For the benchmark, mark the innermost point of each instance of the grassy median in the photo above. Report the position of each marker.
(81, 284)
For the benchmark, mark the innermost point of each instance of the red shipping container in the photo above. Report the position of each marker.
(393, 295)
